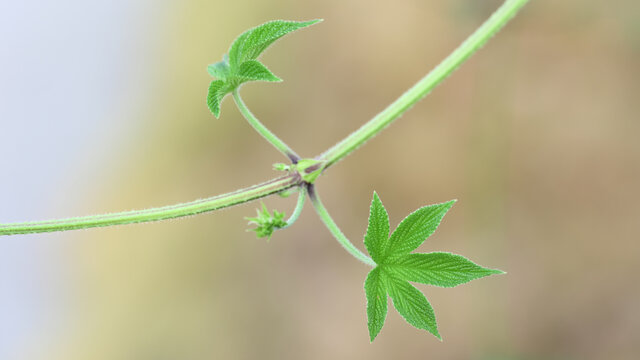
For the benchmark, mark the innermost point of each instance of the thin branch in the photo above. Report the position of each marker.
(262, 130)
(424, 86)
(161, 213)
(333, 155)
(335, 230)
(302, 195)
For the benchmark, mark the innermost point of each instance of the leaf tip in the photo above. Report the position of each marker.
(215, 110)
(312, 22)
(497, 272)
(372, 337)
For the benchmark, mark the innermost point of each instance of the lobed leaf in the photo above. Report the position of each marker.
(412, 305)
(376, 294)
(414, 230)
(438, 269)
(377, 230)
(241, 66)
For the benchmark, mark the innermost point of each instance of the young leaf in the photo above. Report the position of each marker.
(376, 293)
(220, 70)
(254, 70)
(217, 91)
(438, 269)
(266, 222)
(377, 230)
(250, 44)
(412, 305)
(414, 230)
(241, 66)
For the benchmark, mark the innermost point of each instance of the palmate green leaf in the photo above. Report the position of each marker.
(412, 305)
(250, 44)
(377, 230)
(414, 230)
(396, 266)
(438, 269)
(376, 292)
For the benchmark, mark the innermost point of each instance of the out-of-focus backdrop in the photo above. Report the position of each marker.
(102, 108)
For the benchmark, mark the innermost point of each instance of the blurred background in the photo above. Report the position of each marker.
(102, 108)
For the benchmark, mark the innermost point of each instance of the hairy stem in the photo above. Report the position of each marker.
(426, 84)
(302, 195)
(161, 213)
(331, 156)
(262, 130)
(335, 230)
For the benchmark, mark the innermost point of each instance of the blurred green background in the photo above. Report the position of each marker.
(535, 136)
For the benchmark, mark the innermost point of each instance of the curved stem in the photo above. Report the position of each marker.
(331, 156)
(335, 230)
(424, 86)
(260, 128)
(155, 214)
(302, 195)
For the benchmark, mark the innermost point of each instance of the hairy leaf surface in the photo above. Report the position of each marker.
(377, 230)
(396, 266)
(241, 65)
(438, 269)
(376, 292)
(254, 70)
(412, 305)
(250, 44)
(414, 229)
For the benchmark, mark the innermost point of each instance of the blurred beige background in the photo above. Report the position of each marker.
(535, 136)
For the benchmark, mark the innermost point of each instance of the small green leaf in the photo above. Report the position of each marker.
(378, 229)
(281, 167)
(250, 44)
(267, 223)
(438, 269)
(217, 91)
(309, 169)
(414, 230)
(376, 293)
(254, 70)
(220, 70)
(241, 66)
(412, 305)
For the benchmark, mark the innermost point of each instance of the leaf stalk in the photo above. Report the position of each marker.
(262, 130)
(335, 230)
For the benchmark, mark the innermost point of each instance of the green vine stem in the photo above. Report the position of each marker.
(302, 195)
(335, 230)
(262, 130)
(489, 28)
(474, 42)
(161, 213)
